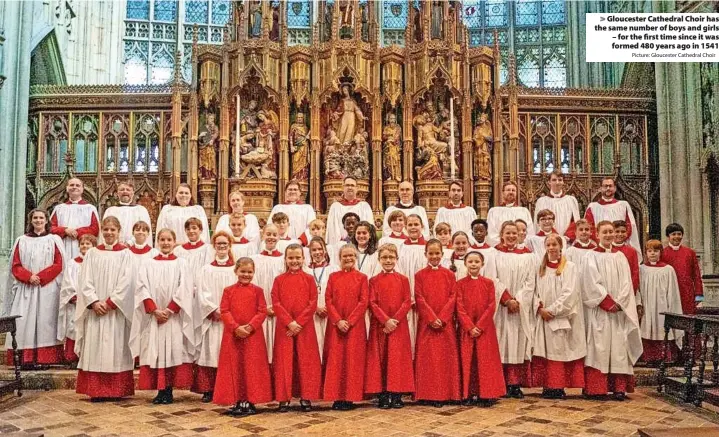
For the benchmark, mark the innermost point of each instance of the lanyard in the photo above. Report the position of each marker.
(318, 281)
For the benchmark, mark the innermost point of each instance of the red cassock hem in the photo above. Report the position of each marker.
(557, 374)
(204, 379)
(70, 355)
(653, 351)
(40, 355)
(170, 377)
(105, 385)
(518, 374)
(598, 383)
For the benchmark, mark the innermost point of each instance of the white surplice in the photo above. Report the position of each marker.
(300, 216)
(211, 282)
(535, 243)
(391, 239)
(172, 343)
(174, 217)
(196, 256)
(515, 331)
(500, 214)
(37, 305)
(659, 292)
(562, 338)
(408, 210)
(74, 215)
(252, 227)
(459, 218)
(267, 268)
(335, 230)
(102, 341)
(489, 269)
(68, 290)
(321, 276)
(128, 215)
(369, 265)
(614, 342)
(411, 260)
(564, 207)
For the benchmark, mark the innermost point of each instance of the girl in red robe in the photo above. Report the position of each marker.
(436, 361)
(243, 372)
(296, 364)
(389, 352)
(346, 337)
(482, 371)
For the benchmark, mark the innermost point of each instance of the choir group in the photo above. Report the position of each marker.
(300, 309)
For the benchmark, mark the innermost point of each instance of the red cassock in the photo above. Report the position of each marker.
(243, 373)
(633, 259)
(436, 362)
(389, 356)
(296, 360)
(689, 276)
(345, 353)
(482, 371)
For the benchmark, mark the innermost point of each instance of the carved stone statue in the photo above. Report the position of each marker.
(346, 19)
(391, 146)
(431, 153)
(248, 120)
(275, 22)
(347, 117)
(255, 18)
(207, 141)
(299, 148)
(482, 142)
(437, 17)
(258, 156)
(365, 21)
(327, 25)
(332, 154)
(418, 30)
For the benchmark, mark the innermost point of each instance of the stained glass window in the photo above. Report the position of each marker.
(196, 11)
(138, 9)
(534, 30)
(298, 13)
(394, 21)
(151, 35)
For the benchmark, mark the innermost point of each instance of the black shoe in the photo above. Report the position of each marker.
(284, 407)
(547, 394)
(249, 409)
(515, 392)
(468, 402)
(396, 401)
(620, 396)
(346, 406)
(337, 405)
(207, 397)
(485, 403)
(234, 411)
(561, 394)
(305, 405)
(160, 398)
(97, 400)
(437, 404)
(168, 399)
(384, 401)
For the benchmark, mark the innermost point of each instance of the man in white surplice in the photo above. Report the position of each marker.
(128, 214)
(74, 218)
(300, 213)
(348, 203)
(509, 210)
(408, 207)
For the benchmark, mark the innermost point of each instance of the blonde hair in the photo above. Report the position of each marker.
(545, 259)
(111, 220)
(316, 222)
(166, 231)
(237, 216)
(387, 247)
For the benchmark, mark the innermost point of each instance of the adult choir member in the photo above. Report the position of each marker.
(564, 206)
(243, 373)
(389, 371)
(320, 268)
(128, 213)
(300, 213)
(103, 322)
(686, 265)
(514, 318)
(175, 215)
(436, 357)
(212, 279)
(348, 203)
(610, 209)
(68, 299)
(162, 327)
(458, 216)
(560, 342)
(408, 207)
(74, 218)
(509, 210)
(267, 265)
(34, 293)
(296, 359)
(658, 293)
(346, 338)
(614, 342)
(482, 375)
(252, 226)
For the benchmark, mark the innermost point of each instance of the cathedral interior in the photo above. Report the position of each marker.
(249, 95)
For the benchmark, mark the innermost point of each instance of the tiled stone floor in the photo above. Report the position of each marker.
(64, 413)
